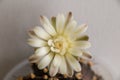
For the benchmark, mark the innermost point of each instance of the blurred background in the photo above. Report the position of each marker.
(18, 16)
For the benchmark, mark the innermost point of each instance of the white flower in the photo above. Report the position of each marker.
(58, 43)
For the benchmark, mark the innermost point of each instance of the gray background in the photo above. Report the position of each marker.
(102, 16)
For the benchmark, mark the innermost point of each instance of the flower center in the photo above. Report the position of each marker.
(58, 45)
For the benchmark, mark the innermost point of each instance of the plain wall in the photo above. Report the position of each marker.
(102, 16)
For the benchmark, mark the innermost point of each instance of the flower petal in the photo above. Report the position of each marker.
(82, 38)
(32, 34)
(75, 52)
(69, 69)
(60, 23)
(81, 29)
(87, 54)
(53, 22)
(63, 66)
(42, 51)
(82, 44)
(68, 18)
(47, 25)
(34, 59)
(57, 60)
(73, 62)
(53, 70)
(71, 26)
(55, 65)
(69, 31)
(45, 61)
(41, 33)
(35, 42)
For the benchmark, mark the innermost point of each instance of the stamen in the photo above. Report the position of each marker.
(50, 42)
(55, 50)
